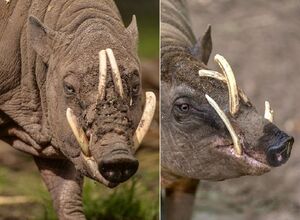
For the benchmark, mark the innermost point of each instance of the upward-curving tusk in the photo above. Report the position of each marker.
(78, 132)
(218, 76)
(231, 82)
(146, 119)
(102, 75)
(212, 74)
(115, 72)
(269, 113)
(235, 139)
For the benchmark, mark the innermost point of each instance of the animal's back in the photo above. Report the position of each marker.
(175, 26)
(13, 17)
(6, 10)
(177, 37)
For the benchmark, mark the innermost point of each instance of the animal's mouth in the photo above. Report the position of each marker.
(112, 169)
(92, 171)
(252, 165)
(107, 171)
(235, 150)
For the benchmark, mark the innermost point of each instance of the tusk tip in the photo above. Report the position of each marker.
(101, 52)
(267, 103)
(269, 113)
(146, 119)
(208, 97)
(69, 111)
(109, 50)
(150, 94)
(218, 56)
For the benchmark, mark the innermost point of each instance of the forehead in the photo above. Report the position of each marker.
(186, 82)
(186, 72)
(82, 53)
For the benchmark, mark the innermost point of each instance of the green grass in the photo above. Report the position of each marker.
(147, 14)
(149, 42)
(125, 203)
(137, 199)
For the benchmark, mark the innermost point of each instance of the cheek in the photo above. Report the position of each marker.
(55, 102)
(136, 113)
(89, 97)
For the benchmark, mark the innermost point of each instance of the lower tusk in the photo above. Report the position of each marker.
(269, 113)
(103, 73)
(235, 139)
(92, 165)
(115, 72)
(91, 140)
(78, 132)
(146, 119)
(130, 102)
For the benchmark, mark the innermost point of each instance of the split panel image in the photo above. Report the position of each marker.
(149, 110)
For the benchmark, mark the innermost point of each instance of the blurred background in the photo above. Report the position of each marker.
(261, 41)
(22, 192)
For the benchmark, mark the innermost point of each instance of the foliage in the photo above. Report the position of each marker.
(125, 203)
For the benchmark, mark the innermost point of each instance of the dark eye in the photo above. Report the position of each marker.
(69, 89)
(183, 108)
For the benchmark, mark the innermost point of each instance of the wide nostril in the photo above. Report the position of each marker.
(118, 170)
(280, 153)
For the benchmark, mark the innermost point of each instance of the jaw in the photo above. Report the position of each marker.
(89, 168)
(111, 168)
(244, 164)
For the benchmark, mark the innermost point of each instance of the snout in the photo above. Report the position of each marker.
(280, 152)
(118, 168)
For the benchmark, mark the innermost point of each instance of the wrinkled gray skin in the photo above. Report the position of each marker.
(48, 62)
(195, 143)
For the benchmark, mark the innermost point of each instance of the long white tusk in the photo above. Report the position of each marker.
(115, 72)
(212, 74)
(231, 82)
(218, 76)
(92, 165)
(269, 113)
(102, 75)
(78, 132)
(146, 119)
(235, 139)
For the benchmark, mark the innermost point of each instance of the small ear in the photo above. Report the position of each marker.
(203, 47)
(40, 38)
(133, 30)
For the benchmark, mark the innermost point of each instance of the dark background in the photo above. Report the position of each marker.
(147, 13)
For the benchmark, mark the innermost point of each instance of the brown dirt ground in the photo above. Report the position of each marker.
(261, 39)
